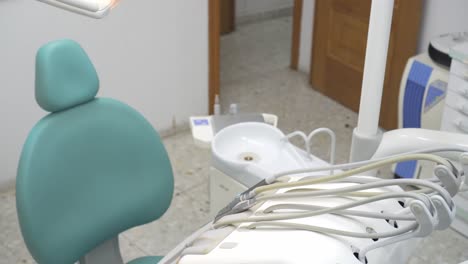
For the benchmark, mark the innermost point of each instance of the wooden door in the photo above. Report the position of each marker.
(339, 48)
(227, 16)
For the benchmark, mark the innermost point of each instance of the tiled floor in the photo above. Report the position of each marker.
(255, 49)
(255, 75)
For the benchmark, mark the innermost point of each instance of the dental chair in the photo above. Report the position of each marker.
(89, 170)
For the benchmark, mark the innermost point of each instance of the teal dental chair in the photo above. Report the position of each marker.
(91, 169)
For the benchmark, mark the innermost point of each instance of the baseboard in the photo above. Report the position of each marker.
(182, 127)
(254, 18)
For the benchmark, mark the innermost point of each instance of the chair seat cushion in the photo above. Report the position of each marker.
(146, 260)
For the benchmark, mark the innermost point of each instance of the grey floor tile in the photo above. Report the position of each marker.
(201, 197)
(256, 48)
(186, 214)
(10, 234)
(8, 217)
(190, 163)
(7, 257)
(129, 250)
(442, 247)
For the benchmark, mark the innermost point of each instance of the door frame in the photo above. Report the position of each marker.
(296, 33)
(214, 31)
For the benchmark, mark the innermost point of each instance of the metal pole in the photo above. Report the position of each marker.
(366, 135)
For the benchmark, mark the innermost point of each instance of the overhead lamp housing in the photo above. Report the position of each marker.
(91, 8)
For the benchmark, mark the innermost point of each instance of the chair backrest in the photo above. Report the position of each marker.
(89, 170)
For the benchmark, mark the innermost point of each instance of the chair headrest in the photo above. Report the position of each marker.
(65, 76)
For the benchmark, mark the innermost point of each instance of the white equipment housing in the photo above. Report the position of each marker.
(423, 91)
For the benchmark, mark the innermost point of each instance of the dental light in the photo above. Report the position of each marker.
(91, 8)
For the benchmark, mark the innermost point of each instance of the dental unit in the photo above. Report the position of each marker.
(292, 207)
(330, 213)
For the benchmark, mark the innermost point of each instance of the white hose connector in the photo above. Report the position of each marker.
(308, 140)
(332, 143)
(301, 135)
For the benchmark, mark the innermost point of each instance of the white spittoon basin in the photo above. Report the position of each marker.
(249, 151)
